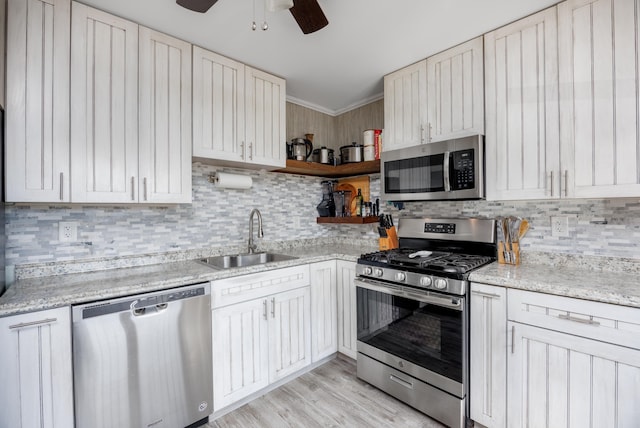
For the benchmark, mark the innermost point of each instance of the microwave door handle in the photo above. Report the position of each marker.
(447, 182)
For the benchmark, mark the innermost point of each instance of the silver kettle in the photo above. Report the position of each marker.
(299, 149)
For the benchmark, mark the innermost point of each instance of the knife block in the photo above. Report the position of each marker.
(390, 241)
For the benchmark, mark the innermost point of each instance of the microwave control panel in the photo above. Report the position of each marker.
(462, 170)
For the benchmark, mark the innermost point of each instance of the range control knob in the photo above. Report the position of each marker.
(400, 276)
(368, 270)
(440, 284)
(378, 272)
(425, 281)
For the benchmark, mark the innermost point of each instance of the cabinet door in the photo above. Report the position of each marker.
(36, 375)
(560, 380)
(455, 92)
(405, 107)
(265, 108)
(347, 321)
(104, 107)
(324, 307)
(523, 132)
(488, 355)
(165, 118)
(289, 332)
(37, 158)
(218, 107)
(240, 351)
(599, 59)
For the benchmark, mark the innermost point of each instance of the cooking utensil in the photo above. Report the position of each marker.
(352, 153)
(524, 228)
(507, 240)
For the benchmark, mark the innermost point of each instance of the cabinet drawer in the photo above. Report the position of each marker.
(601, 321)
(247, 287)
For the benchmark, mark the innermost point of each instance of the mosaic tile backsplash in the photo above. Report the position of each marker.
(220, 217)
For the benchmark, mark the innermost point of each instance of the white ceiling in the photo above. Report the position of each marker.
(341, 66)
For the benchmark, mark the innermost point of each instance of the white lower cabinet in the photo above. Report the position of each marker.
(552, 361)
(347, 324)
(262, 338)
(36, 374)
(488, 349)
(324, 310)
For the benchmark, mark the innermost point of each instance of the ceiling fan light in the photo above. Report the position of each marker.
(278, 5)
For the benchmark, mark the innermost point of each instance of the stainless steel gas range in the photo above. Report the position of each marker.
(413, 313)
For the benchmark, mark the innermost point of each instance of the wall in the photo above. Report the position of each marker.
(217, 217)
(334, 131)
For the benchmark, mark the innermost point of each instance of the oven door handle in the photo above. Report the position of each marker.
(450, 302)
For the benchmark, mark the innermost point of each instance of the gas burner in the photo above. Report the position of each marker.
(437, 261)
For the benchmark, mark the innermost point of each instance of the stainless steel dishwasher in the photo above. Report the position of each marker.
(145, 360)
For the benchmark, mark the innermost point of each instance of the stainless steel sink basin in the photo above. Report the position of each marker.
(242, 260)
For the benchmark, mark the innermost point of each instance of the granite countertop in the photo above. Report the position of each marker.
(620, 288)
(32, 294)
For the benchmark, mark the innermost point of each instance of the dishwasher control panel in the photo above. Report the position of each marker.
(134, 303)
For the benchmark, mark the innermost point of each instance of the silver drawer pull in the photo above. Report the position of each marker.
(402, 382)
(33, 323)
(483, 294)
(580, 320)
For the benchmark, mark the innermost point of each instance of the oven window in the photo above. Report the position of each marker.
(427, 335)
(417, 175)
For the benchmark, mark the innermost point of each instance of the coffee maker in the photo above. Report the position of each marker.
(327, 207)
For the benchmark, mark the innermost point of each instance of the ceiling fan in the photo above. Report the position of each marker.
(307, 13)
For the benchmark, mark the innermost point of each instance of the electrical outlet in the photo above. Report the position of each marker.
(560, 226)
(67, 231)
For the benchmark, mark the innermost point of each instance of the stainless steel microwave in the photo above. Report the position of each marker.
(452, 169)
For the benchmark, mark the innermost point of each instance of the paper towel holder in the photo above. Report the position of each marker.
(216, 180)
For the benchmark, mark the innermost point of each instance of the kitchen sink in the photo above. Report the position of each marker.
(242, 260)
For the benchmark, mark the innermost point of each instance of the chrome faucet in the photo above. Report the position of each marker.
(252, 246)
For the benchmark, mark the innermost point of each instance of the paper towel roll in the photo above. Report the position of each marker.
(232, 181)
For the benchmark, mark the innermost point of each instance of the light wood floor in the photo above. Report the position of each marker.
(329, 396)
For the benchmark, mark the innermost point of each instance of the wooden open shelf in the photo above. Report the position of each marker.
(330, 171)
(348, 220)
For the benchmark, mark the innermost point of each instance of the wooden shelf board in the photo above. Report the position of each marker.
(330, 171)
(348, 220)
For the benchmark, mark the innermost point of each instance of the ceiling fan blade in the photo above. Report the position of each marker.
(308, 15)
(197, 5)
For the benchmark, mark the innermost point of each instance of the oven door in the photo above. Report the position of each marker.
(418, 332)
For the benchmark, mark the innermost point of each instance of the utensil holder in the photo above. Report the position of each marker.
(509, 254)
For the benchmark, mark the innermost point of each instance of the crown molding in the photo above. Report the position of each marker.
(334, 113)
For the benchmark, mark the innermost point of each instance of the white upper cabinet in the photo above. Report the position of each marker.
(455, 92)
(265, 124)
(599, 60)
(239, 113)
(405, 107)
(164, 118)
(104, 112)
(37, 104)
(218, 107)
(522, 118)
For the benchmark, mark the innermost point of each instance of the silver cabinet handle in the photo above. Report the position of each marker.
(33, 323)
(551, 183)
(580, 320)
(144, 182)
(422, 134)
(566, 183)
(402, 382)
(429, 133)
(62, 186)
(273, 307)
(264, 308)
(250, 151)
(133, 188)
(483, 294)
(513, 339)
(242, 149)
